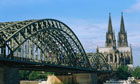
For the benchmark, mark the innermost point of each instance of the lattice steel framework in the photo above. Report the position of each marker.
(99, 62)
(46, 41)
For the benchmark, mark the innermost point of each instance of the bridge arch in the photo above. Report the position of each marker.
(99, 62)
(46, 40)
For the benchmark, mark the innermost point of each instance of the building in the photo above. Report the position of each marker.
(117, 53)
(130, 80)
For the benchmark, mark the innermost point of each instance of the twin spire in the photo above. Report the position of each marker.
(110, 35)
(122, 29)
(110, 24)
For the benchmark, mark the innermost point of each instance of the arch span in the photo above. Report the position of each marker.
(48, 40)
(99, 62)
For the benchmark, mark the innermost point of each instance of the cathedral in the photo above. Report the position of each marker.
(117, 53)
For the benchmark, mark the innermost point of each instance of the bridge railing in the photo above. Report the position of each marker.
(48, 41)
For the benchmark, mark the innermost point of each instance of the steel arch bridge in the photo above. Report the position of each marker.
(45, 42)
(99, 62)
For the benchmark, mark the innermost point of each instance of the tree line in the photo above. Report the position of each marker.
(123, 72)
(33, 75)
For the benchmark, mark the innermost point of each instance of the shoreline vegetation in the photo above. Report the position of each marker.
(122, 73)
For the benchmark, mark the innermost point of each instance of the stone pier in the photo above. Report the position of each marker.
(85, 78)
(77, 78)
(9, 75)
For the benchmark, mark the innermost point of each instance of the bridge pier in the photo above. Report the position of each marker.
(76, 78)
(85, 78)
(9, 75)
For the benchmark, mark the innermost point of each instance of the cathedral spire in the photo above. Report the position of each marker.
(122, 28)
(110, 24)
(122, 36)
(110, 35)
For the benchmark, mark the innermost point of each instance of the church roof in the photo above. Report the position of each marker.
(120, 49)
(103, 50)
(124, 49)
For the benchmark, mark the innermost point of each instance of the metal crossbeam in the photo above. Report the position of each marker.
(46, 41)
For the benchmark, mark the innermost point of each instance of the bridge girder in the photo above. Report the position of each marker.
(46, 40)
(98, 61)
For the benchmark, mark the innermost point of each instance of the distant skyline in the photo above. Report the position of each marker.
(87, 18)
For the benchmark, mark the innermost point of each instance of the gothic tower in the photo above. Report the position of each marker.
(120, 54)
(122, 35)
(110, 35)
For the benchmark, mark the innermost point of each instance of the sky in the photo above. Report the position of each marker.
(87, 18)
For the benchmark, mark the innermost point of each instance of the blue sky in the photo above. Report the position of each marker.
(87, 18)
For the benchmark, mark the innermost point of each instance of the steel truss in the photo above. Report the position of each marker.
(48, 40)
(99, 62)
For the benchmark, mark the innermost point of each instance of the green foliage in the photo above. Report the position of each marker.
(33, 75)
(123, 72)
(49, 73)
(24, 74)
(136, 72)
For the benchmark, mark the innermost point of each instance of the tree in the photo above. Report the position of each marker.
(24, 74)
(34, 75)
(136, 72)
(123, 72)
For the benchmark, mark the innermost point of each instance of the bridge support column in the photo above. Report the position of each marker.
(85, 78)
(9, 75)
(76, 78)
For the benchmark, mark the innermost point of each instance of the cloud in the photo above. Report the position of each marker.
(136, 55)
(93, 34)
(90, 34)
(133, 8)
